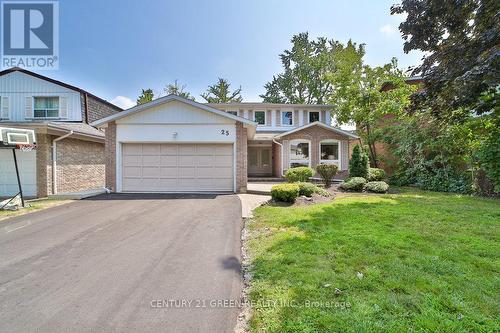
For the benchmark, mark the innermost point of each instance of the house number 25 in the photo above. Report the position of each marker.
(224, 132)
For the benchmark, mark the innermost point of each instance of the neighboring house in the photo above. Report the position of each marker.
(60, 115)
(177, 145)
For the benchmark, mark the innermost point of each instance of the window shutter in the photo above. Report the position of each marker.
(29, 107)
(5, 108)
(63, 107)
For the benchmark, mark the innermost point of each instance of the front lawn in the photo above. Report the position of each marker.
(416, 261)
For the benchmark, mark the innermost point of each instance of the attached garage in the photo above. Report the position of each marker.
(176, 145)
(177, 167)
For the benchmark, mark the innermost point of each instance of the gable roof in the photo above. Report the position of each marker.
(317, 123)
(60, 83)
(166, 99)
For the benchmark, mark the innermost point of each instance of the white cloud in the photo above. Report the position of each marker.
(388, 30)
(123, 102)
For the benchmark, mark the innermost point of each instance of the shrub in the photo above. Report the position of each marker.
(299, 174)
(353, 184)
(308, 189)
(375, 174)
(359, 163)
(285, 192)
(327, 172)
(377, 187)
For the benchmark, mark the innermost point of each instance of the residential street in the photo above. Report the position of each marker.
(114, 263)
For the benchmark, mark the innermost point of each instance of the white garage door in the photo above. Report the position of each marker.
(27, 172)
(177, 167)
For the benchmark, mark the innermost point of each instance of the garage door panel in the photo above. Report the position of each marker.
(169, 172)
(177, 167)
(133, 172)
(151, 160)
(151, 149)
(132, 149)
(223, 161)
(168, 150)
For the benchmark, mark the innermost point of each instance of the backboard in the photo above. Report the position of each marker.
(18, 138)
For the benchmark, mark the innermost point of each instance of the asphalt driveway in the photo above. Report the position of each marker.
(123, 263)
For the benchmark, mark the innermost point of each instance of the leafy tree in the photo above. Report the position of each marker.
(461, 43)
(303, 79)
(177, 89)
(357, 97)
(147, 95)
(220, 93)
(359, 163)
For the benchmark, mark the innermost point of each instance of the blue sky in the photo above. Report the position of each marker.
(115, 48)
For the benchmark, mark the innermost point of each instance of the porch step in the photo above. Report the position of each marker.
(266, 179)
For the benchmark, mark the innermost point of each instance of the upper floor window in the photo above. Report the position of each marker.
(286, 118)
(313, 116)
(46, 107)
(234, 113)
(260, 117)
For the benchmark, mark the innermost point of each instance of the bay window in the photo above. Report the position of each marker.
(329, 151)
(299, 153)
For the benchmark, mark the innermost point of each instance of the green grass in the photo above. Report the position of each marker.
(430, 263)
(33, 205)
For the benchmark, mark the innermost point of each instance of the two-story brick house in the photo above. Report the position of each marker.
(172, 144)
(70, 153)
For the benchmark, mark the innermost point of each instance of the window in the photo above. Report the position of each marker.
(234, 113)
(260, 117)
(313, 116)
(286, 118)
(329, 152)
(46, 107)
(299, 153)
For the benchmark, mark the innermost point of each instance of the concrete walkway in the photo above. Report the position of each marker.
(251, 201)
(260, 187)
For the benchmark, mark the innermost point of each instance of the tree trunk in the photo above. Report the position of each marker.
(371, 147)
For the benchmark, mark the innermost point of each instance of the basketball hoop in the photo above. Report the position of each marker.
(26, 147)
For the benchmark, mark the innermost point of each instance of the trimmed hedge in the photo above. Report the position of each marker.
(308, 189)
(376, 187)
(299, 174)
(285, 192)
(327, 172)
(353, 184)
(375, 174)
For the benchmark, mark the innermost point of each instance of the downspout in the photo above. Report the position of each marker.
(54, 160)
(281, 150)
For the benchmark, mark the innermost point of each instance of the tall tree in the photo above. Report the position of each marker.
(178, 89)
(220, 93)
(147, 95)
(305, 66)
(357, 97)
(461, 43)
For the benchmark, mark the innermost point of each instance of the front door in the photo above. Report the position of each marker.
(259, 161)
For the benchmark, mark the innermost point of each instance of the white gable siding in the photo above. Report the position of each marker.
(19, 87)
(174, 112)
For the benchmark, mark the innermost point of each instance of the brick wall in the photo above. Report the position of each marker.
(110, 156)
(80, 165)
(96, 109)
(241, 158)
(43, 165)
(315, 135)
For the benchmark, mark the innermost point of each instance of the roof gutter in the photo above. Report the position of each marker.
(54, 160)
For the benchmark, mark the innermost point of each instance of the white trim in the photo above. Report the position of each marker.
(290, 151)
(309, 119)
(265, 117)
(234, 168)
(301, 117)
(281, 118)
(339, 153)
(166, 99)
(333, 129)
